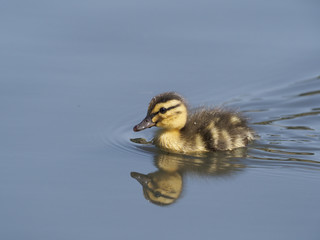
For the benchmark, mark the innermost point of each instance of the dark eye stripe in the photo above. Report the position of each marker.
(158, 194)
(175, 106)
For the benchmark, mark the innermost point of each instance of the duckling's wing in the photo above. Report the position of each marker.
(219, 129)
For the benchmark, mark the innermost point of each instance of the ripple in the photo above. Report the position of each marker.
(291, 131)
(309, 93)
(118, 137)
(289, 117)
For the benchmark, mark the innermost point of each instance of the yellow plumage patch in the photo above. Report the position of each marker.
(235, 120)
(199, 144)
(227, 139)
(167, 104)
(238, 142)
(170, 140)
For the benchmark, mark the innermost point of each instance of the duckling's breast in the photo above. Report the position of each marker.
(176, 141)
(170, 140)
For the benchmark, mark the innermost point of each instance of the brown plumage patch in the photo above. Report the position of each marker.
(220, 129)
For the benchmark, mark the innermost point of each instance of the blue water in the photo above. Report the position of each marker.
(77, 76)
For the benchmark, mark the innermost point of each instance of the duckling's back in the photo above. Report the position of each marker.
(215, 129)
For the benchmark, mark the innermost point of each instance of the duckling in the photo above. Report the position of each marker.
(201, 130)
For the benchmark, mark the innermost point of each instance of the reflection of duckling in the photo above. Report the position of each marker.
(164, 186)
(201, 131)
(161, 188)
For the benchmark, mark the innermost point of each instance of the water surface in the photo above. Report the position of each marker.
(77, 76)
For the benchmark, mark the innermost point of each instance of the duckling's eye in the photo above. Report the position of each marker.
(162, 110)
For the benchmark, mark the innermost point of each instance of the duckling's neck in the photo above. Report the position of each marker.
(169, 139)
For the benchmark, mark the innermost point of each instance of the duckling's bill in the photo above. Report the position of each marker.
(145, 123)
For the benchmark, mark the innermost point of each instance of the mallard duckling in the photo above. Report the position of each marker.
(202, 130)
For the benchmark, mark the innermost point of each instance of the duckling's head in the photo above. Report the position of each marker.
(167, 110)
